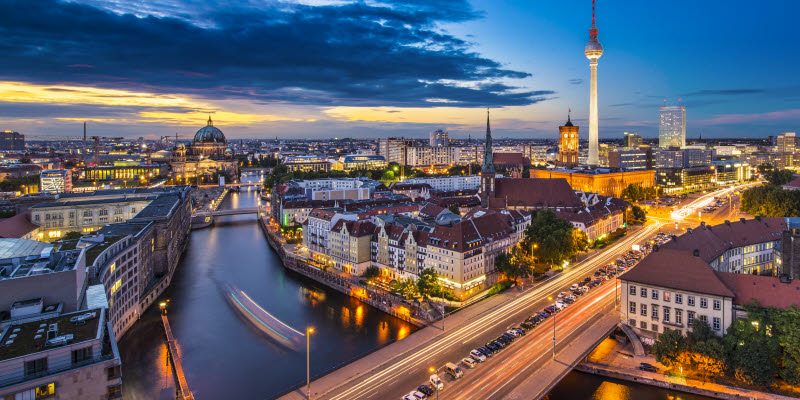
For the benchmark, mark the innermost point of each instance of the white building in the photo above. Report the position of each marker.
(55, 181)
(439, 138)
(672, 127)
(448, 183)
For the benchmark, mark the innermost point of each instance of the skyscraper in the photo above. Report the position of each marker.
(593, 51)
(786, 149)
(632, 139)
(439, 138)
(672, 127)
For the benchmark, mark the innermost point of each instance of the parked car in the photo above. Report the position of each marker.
(521, 332)
(453, 370)
(426, 390)
(648, 367)
(469, 362)
(528, 325)
(436, 382)
(417, 395)
(485, 351)
(569, 300)
(573, 287)
(477, 356)
(513, 333)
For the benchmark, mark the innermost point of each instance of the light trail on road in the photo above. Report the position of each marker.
(376, 381)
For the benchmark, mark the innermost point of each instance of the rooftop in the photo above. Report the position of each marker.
(677, 269)
(95, 250)
(31, 337)
(13, 248)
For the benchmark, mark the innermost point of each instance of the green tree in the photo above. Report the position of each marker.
(779, 177)
(636, 215)
(771, 201)
(514, 264)
(669, 348)
(786, 329)
(701, 332)
(454, 209)
(372, 273)
(633, 192)
(428, 283)
(550, 239)
(709, 357)
(753, 351)
(405, 287)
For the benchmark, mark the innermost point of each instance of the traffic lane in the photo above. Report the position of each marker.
(509, 368)
(494, 328)
(384, 382)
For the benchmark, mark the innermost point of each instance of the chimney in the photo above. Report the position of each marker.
(744, 221)
(703, 224)
(689, 230)
(697, 252)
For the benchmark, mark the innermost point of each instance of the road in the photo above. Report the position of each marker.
(404, 372)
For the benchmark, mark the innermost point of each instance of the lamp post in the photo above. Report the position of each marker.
(309, 331)
(554, 327)
(436, 385)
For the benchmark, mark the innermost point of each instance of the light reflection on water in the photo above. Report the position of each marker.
(222, 356)
(580, 386)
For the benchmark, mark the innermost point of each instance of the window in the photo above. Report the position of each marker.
(115, 392)
(703, 302)
(643, 292)
(643, 325)
(46, 391)
(35, 367)
(666, 296)
(643, 309)
(655, 294)
(690, 319)
(114, 372)
(678, 316)
(654, 311)
(678, 299)
(81, 355)
(87, 213)
(633, 307)
(632, 323)
(632, 290)
(654, 327)
(716, 324)
(666, 314)
(103, 212)
(690, 300)
(36, 217)
(717, 305)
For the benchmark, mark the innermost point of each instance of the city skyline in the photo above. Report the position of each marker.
(430, 66)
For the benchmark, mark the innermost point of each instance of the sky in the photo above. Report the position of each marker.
(379, 68)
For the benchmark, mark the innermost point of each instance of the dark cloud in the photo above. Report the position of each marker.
(724, 92)
(575, 81)
(351, 54)
(89, 111)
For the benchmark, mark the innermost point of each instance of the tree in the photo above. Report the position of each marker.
(72, 235)
(636, 215)
(579, 240)
(753, 351)
(779, 177)
(754, 363)
(454, 209)
(405, 287)
(372, 273)
(669, 347)
(771, 201)
(786, 329)
(701, 332)
(553, 238)
(428, 283)
(709, 357)
(514, 264)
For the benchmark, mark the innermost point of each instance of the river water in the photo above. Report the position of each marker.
(223, 356)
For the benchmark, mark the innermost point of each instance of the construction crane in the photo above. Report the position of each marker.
(97, 147)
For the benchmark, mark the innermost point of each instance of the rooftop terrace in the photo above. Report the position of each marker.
(31, 337)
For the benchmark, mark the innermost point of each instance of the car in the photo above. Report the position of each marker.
(584, 289)
(549, 310)
(562, 295)
(596, 273)
(469, 362)
(500, 343)
(597, 282)
(528, 325)
(408, 397)
(477, 356)
(577, 292)
(569, 300)
(493, 347)
(425, 389)
(436, 382)
(521, 332)
(485, 351)
(453, 370)
(573, 287)
(648, 367)
(560, 305)
(544, 315)
(416, 395)
(509, 337)
(513, 333)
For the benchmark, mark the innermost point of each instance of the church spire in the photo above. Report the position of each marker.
(488, 155)
(210, 123)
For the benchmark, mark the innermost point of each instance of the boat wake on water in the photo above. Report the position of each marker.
(260, 319)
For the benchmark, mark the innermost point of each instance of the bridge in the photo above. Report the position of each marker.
(529, 369)
(254, 170)
(234, 211)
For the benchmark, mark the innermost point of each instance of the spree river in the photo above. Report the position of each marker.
(223, 356)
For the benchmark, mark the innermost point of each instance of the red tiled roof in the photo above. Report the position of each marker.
(767, 290)
(677, 269)
(512, 159)
(431, 210)
(714, 240)
(16, 227)
(535, 192)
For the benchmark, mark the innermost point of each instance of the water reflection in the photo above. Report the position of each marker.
(578, 385)
(222, 357)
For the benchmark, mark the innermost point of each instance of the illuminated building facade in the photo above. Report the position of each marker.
(672, 127)
(207, 155)
(569, 143)
(602, 183)
(56, 181)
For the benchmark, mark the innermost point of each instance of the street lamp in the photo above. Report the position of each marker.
(163, 307)
(554, 327)
(309, 331)
(436, 384)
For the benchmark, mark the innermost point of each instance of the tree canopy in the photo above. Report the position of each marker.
(428, 283)
(514, 264)
(771, 201)
(635, 192)
(555, 239)
(779, 177)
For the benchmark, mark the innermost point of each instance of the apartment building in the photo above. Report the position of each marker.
(448, 183)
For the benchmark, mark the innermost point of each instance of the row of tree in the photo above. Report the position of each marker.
(771, 201)
(635, 192)
(427, 285)
(755, 350)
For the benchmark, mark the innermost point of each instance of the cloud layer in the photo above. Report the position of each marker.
(343, 54)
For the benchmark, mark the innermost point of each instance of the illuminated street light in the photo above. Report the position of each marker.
(309, 331)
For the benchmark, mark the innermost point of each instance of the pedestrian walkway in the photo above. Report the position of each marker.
(185, 393)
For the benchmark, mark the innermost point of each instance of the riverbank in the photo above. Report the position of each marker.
(612, 360)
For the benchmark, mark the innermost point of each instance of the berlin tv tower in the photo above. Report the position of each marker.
(593, 51)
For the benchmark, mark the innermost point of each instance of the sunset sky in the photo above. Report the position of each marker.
(337, 68)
